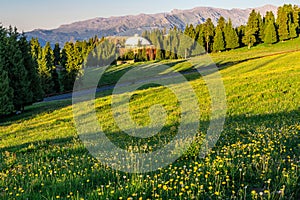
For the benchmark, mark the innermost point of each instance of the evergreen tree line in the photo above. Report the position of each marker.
(224, 36)
(29, 72)
(20, 81)
(58, 68)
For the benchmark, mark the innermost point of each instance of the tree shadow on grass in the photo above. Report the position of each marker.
(237, 128)
(34, 110)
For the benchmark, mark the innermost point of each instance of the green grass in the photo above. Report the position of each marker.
(256, 157)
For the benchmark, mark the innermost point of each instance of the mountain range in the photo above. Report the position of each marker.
(136, 24)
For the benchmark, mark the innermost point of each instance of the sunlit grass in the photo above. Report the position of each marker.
(257, 156)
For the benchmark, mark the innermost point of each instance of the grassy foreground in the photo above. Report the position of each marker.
(256, 157)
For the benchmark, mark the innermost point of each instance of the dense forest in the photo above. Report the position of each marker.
(29, 72)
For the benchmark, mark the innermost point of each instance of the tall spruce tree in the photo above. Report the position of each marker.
(54, 73)
(45, 63)
(6, 92)
(174, 43)
(209, 32)
(241, 31)
(35, 91)
(283, 23)
(185, 46)
(222, 23)
(270, 35)
(56, 54)
(260, 27)
(200, 36)
(293, 30)
(270, 31)
(14, 65)
(219, 40)
(296, 17)
(219, 44)
(252, 30)
(231, 37)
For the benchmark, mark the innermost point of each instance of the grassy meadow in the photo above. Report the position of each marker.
(256, 157)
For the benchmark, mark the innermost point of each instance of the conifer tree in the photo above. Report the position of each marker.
(296, 17)
(270, 35)
(260, 27)
(219, 44)
(292, 30)
(200, 35)
(185, 46)
(35, 91)
(222, 23)
(54, 73)
(252, 30)
(56, 53)
(282, 23)
(209, 32)
(14, 65)
(174, 43)
(270, 30)
(167, 46)
(241, 31)
(45, 67)
(231, 37)
(219, 40)
(6, 92)
(159, 52)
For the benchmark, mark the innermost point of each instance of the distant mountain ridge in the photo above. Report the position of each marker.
(132, 24)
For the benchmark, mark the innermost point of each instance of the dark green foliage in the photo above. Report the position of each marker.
(45, 68)
(270, 34)
(56, 62)
(270, 31)
(185, 46)
(200, 35)
(231, 37)
(222, 23)
(102, 55)
(71, 66)
(283, 23)
(190, 31)
(241, 31)
(296, 18)
(219, 44)
(6, 92)
(260, 28)
(35, 92)
(252, 32)
(159, 51)
(14, 64)
(219, 39)
(56, 54)
(293, 30)
(209, 32)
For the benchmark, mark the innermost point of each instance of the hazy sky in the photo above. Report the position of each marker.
(32, 14)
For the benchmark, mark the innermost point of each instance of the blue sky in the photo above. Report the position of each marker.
(32, 14)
